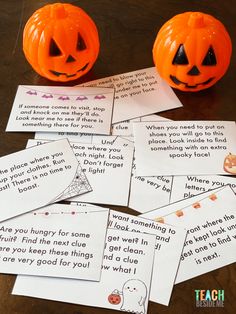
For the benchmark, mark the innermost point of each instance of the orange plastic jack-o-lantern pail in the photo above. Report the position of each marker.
(114, 298)
(61, 42)
(192, 51)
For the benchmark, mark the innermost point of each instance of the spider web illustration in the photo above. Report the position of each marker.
(78, 186)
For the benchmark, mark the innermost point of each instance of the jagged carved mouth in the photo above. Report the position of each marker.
(178, 82)
(69, 75)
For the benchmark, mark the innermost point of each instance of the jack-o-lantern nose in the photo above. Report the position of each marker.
(194, 71)
(70, 59)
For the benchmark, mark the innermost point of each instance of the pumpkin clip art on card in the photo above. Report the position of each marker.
(192, 51)
(114, 297)
(230, 164)
(61, 42)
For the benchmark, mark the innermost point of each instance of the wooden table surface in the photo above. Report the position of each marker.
(127, 30)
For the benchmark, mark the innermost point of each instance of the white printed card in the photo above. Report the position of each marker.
(211, 239)
(108, 169)
(125, 128)
(188, 186)
(168, 249)
(125, 280)
(32, 178)
(55, 241)
(147, 192)
(138, 93)
(86, 138)
(62, 109)
(185, 148)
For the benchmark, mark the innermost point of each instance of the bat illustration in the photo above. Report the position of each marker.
(81, 97)
(47, 96)
(64, 98)
(30, 92)
(99, 97)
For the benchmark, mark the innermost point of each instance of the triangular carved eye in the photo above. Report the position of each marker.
(180, 57)
(210, 58)
(80, 43)
(54, 50)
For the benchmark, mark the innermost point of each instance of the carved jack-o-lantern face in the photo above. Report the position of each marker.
(61, 42)
(181, 58)
(192, 51)
(67, 61)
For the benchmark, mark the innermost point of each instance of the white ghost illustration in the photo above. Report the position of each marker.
(134, 295)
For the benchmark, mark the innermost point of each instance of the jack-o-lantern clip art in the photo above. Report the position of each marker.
(192, 51)
(230, 164)
(61, 42)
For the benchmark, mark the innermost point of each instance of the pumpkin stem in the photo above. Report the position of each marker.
(196, 20)
(58, 11)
